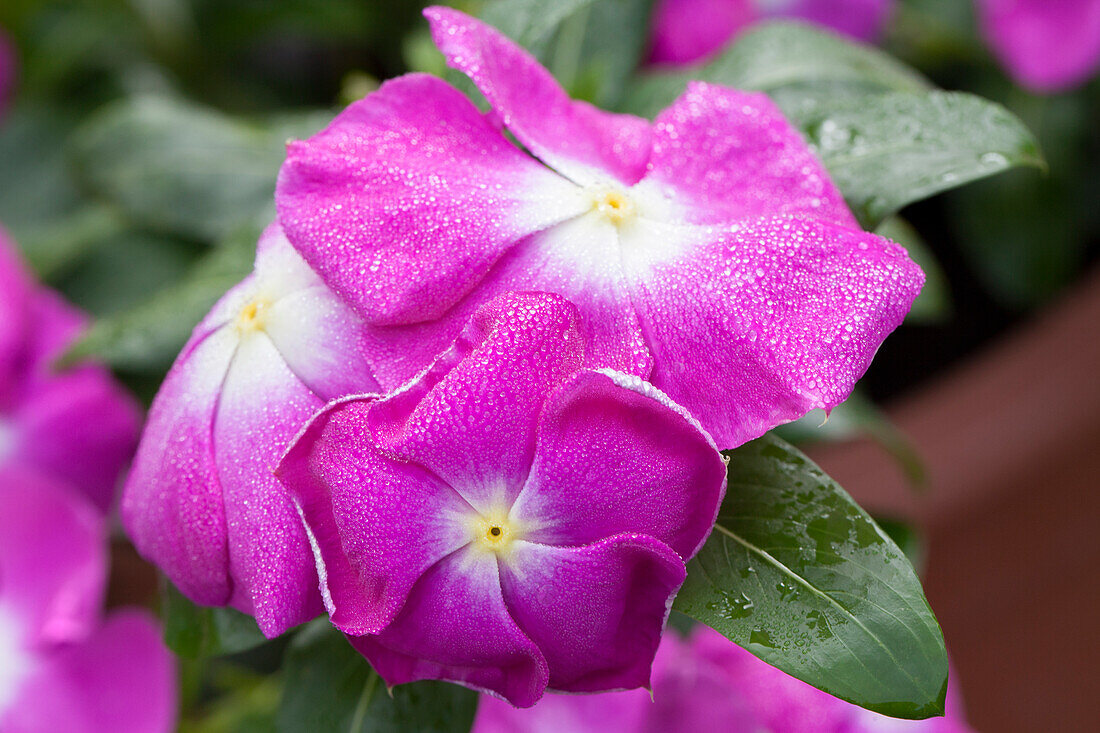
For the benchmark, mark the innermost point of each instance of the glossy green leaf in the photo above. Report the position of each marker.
(178, 167)
(592, 47)
(531, 23)
(196, 631)
(147, 336)
(887, 150)
(331, 687)
(799, 575)
(774, 56)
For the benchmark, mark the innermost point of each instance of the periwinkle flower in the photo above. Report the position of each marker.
(1047, 45)
(77, 425)
(508, 520)
(708, 683)
(708, 252)
(62, 666)
(686, 31)
(201, 501)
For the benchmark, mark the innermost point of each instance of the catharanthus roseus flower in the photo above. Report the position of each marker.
(201, 501)
(1045, 44)
(508, 520)
(708, 683)
(708, 252)
(75, 425)
(685, 31)
(62, 667)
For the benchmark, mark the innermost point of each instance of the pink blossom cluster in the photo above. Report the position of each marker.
(471, 400)
(65, 436)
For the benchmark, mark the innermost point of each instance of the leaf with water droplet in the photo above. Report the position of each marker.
(839, 604)
(902, 147)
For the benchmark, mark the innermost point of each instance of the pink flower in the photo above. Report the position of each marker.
(201, 501)
(685, 31)
(77, 426)
(708, 683)
(508, 520)
(1046, 45)
(708, 252)
(62, 668)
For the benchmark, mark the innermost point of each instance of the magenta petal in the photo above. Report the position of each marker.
(859, 19)
(614, 456)
(577, 259)
(596, 612)
(1047, 45)
(377, 524)
(689, 30)
(78, 425)
(455, 626)
(407, 199)
(610, 711)
(53, 561)
(172, 504)
(261, 408)
(728, 155)
(120, 679)
(15, 293)
(471, 418)
(574, 138)
(319, 336)
(801, 308)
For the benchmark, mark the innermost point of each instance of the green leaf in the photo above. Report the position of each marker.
(887, 150)
(54, 243)
(592, 47)
(933, 305)
(124, 269)
(773, 56)
(195, 631)
(799, 575)
(330, 687)
(173, 166)
(147, 336)
(35, 187)
(531, 23)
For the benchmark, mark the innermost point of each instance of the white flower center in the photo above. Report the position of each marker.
(253, 316)
(494, 531)
(614, 204)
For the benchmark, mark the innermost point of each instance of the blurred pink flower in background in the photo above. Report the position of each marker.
(707, 683)
(62, 666)
(76, 425)
(685, 31)
(1046, 45)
